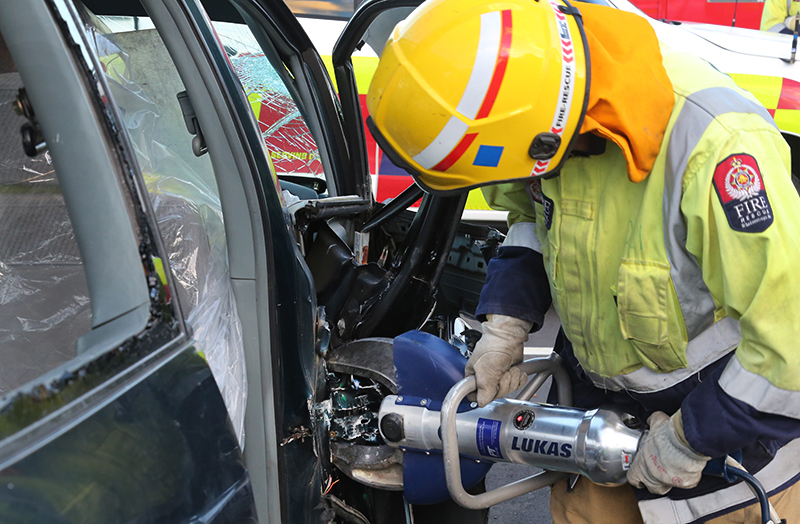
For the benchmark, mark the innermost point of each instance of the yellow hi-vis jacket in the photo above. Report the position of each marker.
(775, 12)
(655, 281)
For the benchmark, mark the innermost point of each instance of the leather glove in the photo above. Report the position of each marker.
(500, 347)
(664, 459)
(790, 22)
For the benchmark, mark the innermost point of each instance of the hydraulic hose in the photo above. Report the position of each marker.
(734, 470)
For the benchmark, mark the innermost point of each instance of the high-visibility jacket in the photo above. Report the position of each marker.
(679, 291)
(775, 12)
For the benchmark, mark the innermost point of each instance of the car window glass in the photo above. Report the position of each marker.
(292, 149)
(44, 300)
(324, 8)
(145, 86)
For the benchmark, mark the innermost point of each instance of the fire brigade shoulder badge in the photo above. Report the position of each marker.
(741, 191)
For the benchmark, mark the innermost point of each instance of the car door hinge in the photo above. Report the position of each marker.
(299, 433)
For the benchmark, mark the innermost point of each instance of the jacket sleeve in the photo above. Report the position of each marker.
(773, 15)
(516, 283)
(512, 197)
(516, 286)
(743, 217)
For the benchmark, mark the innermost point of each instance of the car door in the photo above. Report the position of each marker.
(119, 319)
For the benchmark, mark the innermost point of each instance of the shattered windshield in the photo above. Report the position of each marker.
(291, 147)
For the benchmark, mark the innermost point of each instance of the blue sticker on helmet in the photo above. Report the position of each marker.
(488, 156)
(488, 437)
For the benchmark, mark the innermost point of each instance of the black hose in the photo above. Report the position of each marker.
(757, 488)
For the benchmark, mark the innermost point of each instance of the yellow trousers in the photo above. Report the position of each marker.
(589, 503)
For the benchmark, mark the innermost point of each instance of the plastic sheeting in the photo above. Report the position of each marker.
(44, 300)
(144, 84)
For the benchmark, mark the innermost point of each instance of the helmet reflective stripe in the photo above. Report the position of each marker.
(445, 141)
(567, 83)
(493, 48)
(479, 95)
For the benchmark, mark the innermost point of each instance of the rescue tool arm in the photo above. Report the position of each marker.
(742, 214)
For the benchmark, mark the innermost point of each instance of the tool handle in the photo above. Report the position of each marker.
(452, 466)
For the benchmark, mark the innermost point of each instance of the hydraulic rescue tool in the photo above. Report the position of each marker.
(599, 443)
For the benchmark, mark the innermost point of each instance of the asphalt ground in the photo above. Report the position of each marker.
(532, 508)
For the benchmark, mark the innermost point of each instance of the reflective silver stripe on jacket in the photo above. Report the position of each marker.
(707, 341)
(708, 347)
(781, 470)
(700, 109)
(757, 391)
(523, 234)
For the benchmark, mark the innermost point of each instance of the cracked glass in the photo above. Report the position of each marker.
(291, 147)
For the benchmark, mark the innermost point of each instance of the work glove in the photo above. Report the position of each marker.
(500, 347)
(790, 22)
(664, 459)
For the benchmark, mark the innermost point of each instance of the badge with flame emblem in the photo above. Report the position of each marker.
(741, 181)
(741, 192)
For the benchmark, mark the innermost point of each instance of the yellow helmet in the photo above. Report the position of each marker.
(475, 92)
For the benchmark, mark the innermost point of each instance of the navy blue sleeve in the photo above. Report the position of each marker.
(516, 286)
(716, 423)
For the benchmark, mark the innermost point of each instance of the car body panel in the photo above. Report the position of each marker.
(758, 61)
(162, 452)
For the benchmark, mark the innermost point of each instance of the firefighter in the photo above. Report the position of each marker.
(780, 16)
(649, 198)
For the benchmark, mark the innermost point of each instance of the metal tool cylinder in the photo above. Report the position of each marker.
(599, 443)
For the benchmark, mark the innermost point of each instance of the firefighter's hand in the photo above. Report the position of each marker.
(790, 22)
(499, 348)
(664, 459)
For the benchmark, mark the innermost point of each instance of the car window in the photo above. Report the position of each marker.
(44, 300)
(290, 144)
(147, 91)
(324, 8)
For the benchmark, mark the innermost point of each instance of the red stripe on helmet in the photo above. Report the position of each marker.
(456, 153)
(499, 67)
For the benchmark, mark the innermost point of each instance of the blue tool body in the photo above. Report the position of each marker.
(426, 368)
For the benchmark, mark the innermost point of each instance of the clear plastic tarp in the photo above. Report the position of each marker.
(144, 84)
(44, 300)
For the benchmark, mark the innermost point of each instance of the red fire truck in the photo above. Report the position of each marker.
(739, 13)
